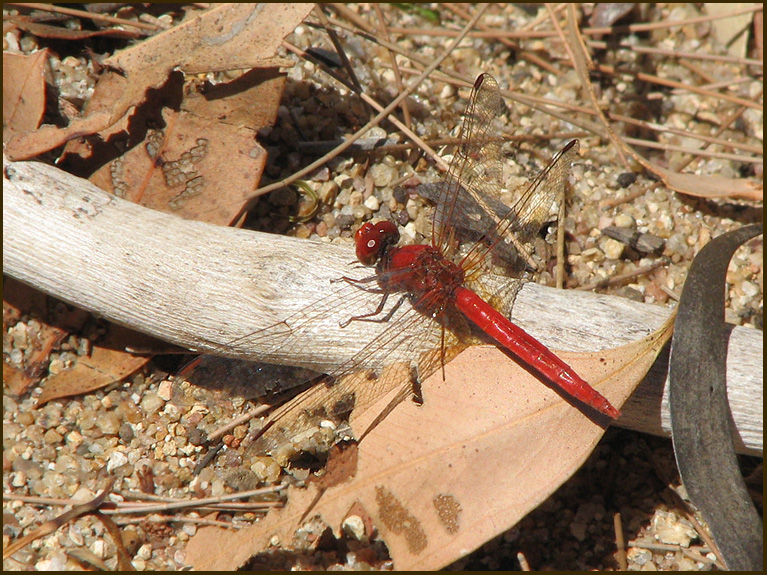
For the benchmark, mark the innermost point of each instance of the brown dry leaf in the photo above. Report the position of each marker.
(707, 186)
(16, 381)
(52, 326)
(23, 92)
(691, 184)
(45, 341)
(206, 160)
(108, 363)
(47, 31)
(489, 445)
(226, 37)
(251, 100)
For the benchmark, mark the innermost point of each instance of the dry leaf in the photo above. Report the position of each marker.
(108, 363)
(707, 186)
(103, 367)
(251, 100)
(198, 167)
(15, 381)
(226, 37)
(23, 92)
(47, 31)
(489, 445)
(52, 325)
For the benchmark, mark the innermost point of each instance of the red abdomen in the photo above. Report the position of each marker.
(530, 350)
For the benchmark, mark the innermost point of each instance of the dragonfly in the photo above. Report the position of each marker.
(434, 296)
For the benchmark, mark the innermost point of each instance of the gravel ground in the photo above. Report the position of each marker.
(140, 433)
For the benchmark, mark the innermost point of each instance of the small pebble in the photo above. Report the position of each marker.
(108, 423)
(116, 459)
(76, 535)
(165, 390)
(151, 403)
(382, 175)
(25, 418)
(578, 530)
(87, 421)
(671, 529)
(52, 436)
(74, 438)
(626, 179)
(749, 289)
(372, 204)
(145, 551)
(354, 527)
(55, 562)
(624, 221)
(613, 249)
(125, 433)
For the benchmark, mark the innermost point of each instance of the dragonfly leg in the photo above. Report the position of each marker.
(371, 316)
(358, 283)
(417, 390)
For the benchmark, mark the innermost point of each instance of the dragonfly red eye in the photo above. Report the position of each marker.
(373, 239)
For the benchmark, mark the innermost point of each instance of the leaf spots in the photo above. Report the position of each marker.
(449, 512)
(400, 521)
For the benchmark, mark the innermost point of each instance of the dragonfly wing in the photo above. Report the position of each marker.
(529, 212)
(468, 210)
(532, 208)
(476, 170)
(410, 347)
(321, 321)
(474, 228)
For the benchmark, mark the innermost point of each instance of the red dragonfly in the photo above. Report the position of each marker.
(442, 281)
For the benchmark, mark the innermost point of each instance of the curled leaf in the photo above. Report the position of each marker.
(700, 413)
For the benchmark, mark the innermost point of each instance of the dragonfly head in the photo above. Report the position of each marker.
(374, 239)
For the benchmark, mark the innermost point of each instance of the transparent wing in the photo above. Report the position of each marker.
(471, 225)
(409, 349)
(476, 172)
(211, 380)
(408, 346)
(525, 218)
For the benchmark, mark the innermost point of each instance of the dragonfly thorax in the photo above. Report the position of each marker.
(421, 270)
